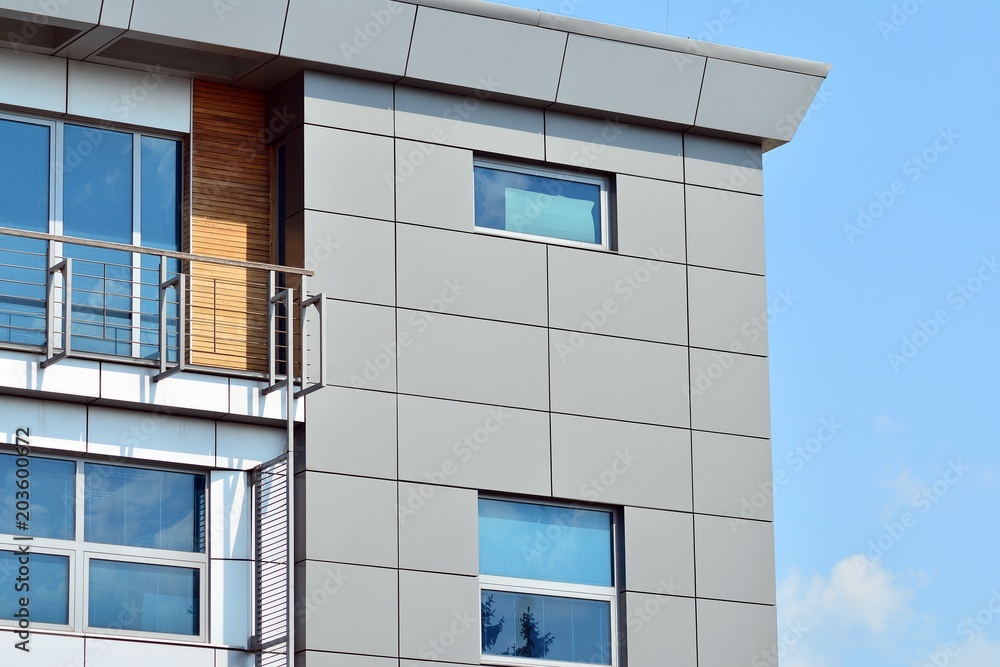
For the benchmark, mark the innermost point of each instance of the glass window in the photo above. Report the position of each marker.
(547, 583)
(139, 549)
(543, 626)
(161, 193)
(44, 581)
(521, 201)
(142, 597)
(97, 184)
(545, 542)
(49, 501)
(144, 508)
(24, 204)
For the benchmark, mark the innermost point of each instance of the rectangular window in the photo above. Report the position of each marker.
(132, 559)
(120, 186)
(526, 202)
(547, 584)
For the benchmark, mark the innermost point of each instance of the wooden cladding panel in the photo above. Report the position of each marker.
(231, 213)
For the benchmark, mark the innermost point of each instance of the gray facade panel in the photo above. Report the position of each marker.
(329, 597)
(354, 258)
(734, 559)
(736, 634)
(729, 393)
(659, 552)
(348, 103)
(471, 274)
(731, 99)
(438, 528)
(617, 296)
(618, 378)
(630, 79)
(470, 122)
(249, 26)
(497, 57)
(650, 218)
(439, 617)
(434, 185)
(725, 230)
(362, 344)
(723, 164)
(471, 445)
(661, 630)
(613, 146)
(349, 173)
(357, 522)
(732, 476)
(351, 431)
(369, 35)
(728, 310)
(32, 81)
(474, 360)
(619, 463)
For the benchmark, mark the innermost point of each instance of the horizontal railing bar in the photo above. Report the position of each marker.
(186, 256)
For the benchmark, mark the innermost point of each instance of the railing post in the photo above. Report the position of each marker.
(317, 301)
(179, 284)
(65, 267)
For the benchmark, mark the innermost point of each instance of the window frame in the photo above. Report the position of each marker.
(80, 554)
(488, 582)
(604, 182)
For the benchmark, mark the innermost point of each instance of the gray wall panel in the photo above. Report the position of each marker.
(351, 431)
(617, 296)
(434, 185)
(613, 146)
(630, 79)
(471, 274)
(723, 164)
(650, 218)
(32, 81)
(474, 360)
(253, 26)
(362, 345)
(480, 53)
(350, 520)
(348, 103)
(619, 378)
(728, 310)
(354, 258)
(734, 559)
(605, 461)
(469, 122)
(438, 526)
(362, 185)
(662, 630)
(477, 446)
(732, 476)
(725, 230)
(439, 617)
(736, 634)
(659, 552)
(730, 393)
(369, 35)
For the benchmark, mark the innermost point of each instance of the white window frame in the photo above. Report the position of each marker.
(608, 594)
(80, 554)
(557, 174)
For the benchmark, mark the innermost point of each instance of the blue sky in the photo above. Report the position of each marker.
(887, 532)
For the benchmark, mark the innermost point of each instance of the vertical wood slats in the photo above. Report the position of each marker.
(230, 218)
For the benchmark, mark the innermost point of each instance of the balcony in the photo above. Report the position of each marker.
(66, 297)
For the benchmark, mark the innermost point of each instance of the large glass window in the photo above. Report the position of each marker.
(547, 583)
(110, 185)
(529, 202)
(132, 560)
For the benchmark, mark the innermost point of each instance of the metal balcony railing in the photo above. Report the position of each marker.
(66, 297)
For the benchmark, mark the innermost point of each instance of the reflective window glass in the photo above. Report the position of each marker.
(43, 581)
(529, 203)
(144, 508)
(144, 597)
(546, 627)
(97, 184)
(529, 541)
(50, 501)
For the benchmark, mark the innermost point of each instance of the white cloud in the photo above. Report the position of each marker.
(974, 651)
(857, 593)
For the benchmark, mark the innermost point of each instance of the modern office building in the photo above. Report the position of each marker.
(513, 264)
